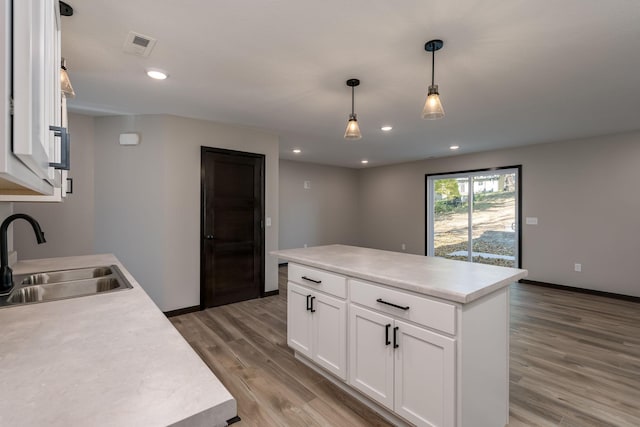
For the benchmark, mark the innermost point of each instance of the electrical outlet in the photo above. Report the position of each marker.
(404, 247)
(577, 267)
(305, 245)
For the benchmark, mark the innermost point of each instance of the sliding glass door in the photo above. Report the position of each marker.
(474, 216)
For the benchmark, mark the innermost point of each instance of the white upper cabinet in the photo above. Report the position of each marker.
(32, 134)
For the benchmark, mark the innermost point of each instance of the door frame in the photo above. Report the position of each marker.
(261, 157)
(428, 203)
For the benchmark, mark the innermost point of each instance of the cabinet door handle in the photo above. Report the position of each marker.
(402, 307)
(313, 310)
(65, 143)
(308, 302)
(386, 334)
(312, 280)
(395, 337)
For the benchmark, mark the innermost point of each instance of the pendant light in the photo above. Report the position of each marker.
(65, 83)
(433, 107)
(353, 130)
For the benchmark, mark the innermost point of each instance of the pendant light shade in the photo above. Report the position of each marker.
(433, 106)
(353, 129)
(65, 83)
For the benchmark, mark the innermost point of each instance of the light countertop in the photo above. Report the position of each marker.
(111, 359)
(457, 281)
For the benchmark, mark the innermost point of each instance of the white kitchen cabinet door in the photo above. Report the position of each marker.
(36, 83)
(371, 354)
(330, 334)
(299, 319)
(424, 376)
(53, 92)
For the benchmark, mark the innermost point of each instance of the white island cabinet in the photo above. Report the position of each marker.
(423, 341)
(318, 313)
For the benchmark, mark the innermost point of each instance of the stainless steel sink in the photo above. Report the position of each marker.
(65, 275)
(63, 284)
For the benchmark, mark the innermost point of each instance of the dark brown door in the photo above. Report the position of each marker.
(232, 248)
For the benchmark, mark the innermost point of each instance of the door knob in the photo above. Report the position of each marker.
(209, 237)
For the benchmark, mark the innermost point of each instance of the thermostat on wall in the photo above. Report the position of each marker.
(129, 138)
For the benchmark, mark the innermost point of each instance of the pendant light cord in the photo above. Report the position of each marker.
(433, 65)
(353, 101)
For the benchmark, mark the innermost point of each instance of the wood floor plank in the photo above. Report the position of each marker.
(575, 362)
(279, 380)
(575, 354)
(331, 394)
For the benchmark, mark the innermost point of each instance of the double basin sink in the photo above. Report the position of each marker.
(63, 284)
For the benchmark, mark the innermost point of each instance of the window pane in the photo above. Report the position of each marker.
(451, 218)
(494, 219)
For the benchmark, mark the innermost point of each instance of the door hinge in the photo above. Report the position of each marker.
(11, 105)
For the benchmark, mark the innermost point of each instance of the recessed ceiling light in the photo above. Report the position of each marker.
(454, 147)
(297, 150)
(364, 162)
(386, 128)
(154, 73)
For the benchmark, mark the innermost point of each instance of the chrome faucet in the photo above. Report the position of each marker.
(6, 285)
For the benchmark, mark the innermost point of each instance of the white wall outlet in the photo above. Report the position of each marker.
(268, 221)
(404, 247)
(577, 267)
(305, 245)
(307, 185)
(532, 220)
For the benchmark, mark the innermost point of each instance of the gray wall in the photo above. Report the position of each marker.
(148, 199)
(584, 193)
(142, 203)
(68, 226)
(130, 203)
(6, 209)
(326, 213)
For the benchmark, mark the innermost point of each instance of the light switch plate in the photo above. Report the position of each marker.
(307, 185)
(268, 221)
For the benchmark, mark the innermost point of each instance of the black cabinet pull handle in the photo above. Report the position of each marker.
(312, 280)
(209, 237)
(65, 142)
(395, 337)
(313, 310)
(308, 302)
(386, 334)
(402, 307)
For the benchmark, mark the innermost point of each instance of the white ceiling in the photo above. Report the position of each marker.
(511, 72)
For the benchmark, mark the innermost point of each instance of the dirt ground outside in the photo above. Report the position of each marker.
(494, 225)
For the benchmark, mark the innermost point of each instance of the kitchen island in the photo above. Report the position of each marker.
(110, 359)
(422, 340)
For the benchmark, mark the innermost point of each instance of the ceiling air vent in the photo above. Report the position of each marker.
(139, 44)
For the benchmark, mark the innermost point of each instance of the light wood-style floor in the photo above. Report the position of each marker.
(575, 361)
